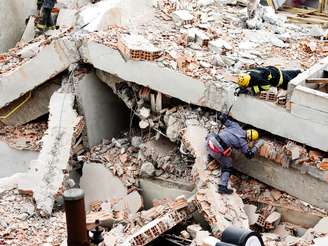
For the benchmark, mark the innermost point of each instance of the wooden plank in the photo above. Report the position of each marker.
(317, 81)
(295, 19)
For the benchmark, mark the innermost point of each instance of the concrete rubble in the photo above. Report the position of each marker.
(118, 101)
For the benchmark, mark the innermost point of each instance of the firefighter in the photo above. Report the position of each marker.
(46, 21)
(219, 147)
(262, 78)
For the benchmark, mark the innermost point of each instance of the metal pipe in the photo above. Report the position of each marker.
(77, 234)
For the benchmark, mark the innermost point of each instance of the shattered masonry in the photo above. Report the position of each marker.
(172, 64)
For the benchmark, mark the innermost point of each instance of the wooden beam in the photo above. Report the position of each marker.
(301, 20)
(317, 81)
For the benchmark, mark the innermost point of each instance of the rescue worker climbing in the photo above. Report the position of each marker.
(219, 147)
(46, 21)
(262, 78)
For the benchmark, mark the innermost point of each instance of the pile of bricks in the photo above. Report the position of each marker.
(159, 226)
(136, 47)
(268, 96)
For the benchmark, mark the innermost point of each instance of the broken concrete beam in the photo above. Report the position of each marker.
(211, 95)
(110, 61)
(46, 174)
(96, 100)
(182, 17)
(285, 179)
(29, 107)
(61, 53)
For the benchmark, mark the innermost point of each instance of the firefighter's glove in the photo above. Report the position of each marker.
(222, 117)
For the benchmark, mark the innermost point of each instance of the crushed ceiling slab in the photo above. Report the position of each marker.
(61, 52)
(46, 175)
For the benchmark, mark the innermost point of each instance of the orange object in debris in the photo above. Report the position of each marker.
(55, 10)
(324, 165)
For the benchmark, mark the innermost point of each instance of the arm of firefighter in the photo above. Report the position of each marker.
(230, 123)
(249, 153)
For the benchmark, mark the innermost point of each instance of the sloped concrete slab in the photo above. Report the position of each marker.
(54, 58)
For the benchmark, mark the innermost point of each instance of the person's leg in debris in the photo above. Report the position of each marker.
(288, 75)
(226, 170)
(215, 150)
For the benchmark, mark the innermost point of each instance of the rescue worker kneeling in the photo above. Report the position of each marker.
(219, 147)
(262, 78)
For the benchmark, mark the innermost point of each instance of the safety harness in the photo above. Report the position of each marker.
(226, 150)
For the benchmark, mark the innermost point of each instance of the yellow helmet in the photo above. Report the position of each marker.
(252, 135)
(243, 80)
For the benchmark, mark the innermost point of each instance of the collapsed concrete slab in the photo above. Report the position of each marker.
(289, 180)
(55, 58)
(97, 101)
(13, 15)
(46, 174)
(213, 95)
(29, 107)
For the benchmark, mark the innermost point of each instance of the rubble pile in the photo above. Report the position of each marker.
(26, 137)
(204, 39)
(20, 222)
(141, 157)
(150, 224)
(285, 154)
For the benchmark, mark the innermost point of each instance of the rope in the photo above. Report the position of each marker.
(17, 107)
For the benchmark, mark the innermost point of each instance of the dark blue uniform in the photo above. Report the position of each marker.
(232, 136)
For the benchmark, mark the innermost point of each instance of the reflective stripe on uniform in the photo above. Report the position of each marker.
(256, 89)
(265, 87)
(281, 79)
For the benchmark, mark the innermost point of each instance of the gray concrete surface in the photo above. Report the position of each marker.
(14, 161)
(290, 180)
(36, 106)
(106, 115)
(215, 96)
(61, 53)
(12, 21)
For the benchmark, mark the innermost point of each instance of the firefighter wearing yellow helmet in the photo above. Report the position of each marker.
(262, 78)
(219, 147)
